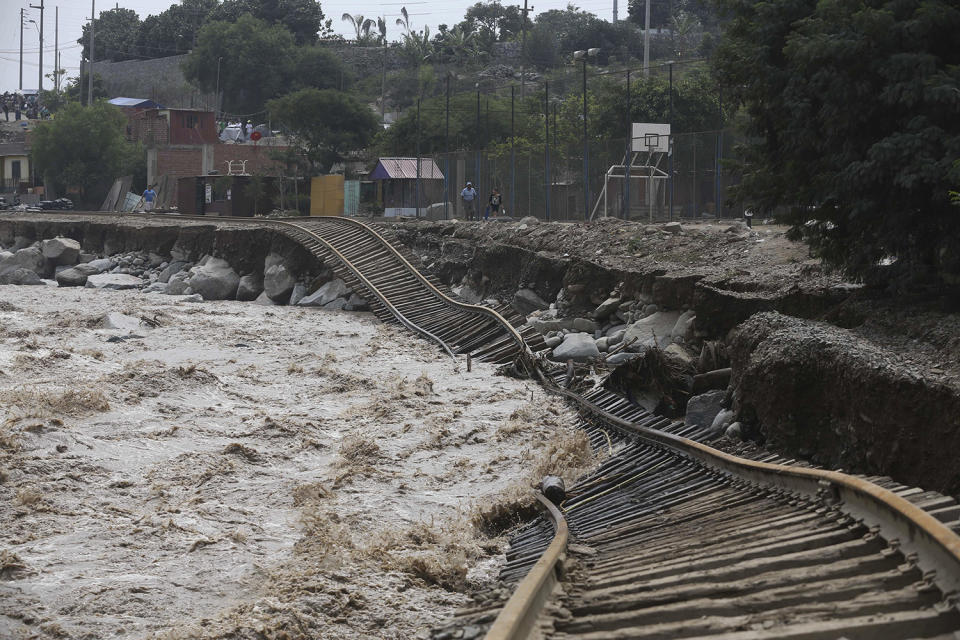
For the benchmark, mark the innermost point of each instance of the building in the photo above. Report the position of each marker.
(229, 196)
(397, 180)
(15, 174)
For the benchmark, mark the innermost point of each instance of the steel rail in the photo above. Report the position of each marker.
(373, 289)
(520, 613)
(933, 546)
(492, 313)
(928, 542)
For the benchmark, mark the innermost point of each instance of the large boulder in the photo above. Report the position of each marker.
(61, 250)
(702, 409)
(215, 280)
(115, 281)
(606, 308)
(659, 324)
(28, 258)
(178, 284)
(76, 276)
(527, 301)
(172, 269)
(102, 264)
(20, 275)
(264, 299)
(578, 347)
(684, 327)
(278, 282)
(299, 290)
(326, 294)
(251, 286)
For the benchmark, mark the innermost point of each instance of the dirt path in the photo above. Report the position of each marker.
(244, 471)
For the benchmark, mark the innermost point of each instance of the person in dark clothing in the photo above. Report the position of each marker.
(494, 203)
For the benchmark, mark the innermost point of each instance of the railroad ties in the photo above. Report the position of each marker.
(398, 292)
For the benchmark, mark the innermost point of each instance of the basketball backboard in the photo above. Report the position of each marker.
(651, 136)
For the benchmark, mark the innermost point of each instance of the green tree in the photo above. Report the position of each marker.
(317, 67)
(174, 31)
(255, 62)
(303, 18)
(116, 32)
(84, 148)
(364, 28)
(853, 116)
(325, 123)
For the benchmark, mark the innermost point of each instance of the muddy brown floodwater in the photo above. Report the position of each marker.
(233, 470)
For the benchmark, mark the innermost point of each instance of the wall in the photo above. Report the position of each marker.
(195, 160)
(8, 167)
(159, 79)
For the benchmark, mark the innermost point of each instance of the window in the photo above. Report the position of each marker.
(191, 121)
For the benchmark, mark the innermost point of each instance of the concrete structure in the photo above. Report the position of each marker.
(15, 167)
(221, 195)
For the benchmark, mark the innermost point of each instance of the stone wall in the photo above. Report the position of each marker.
(159, 79)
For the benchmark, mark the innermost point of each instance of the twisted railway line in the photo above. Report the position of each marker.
(674, 538)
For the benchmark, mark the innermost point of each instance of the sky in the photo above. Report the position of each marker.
(73, 14)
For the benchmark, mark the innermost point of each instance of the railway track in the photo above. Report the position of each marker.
(672, 538)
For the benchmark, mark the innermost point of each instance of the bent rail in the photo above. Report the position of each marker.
(519, 615)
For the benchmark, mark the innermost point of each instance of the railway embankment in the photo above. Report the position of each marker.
(819, 368)
(829, 371)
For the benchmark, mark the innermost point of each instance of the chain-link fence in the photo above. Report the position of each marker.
(568, 161)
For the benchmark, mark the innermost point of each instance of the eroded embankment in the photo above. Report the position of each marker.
(836, 405)
(245, 247)
(840, 396)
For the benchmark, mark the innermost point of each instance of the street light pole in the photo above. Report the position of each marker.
(583, 55)
(21, 49)
(216, 96)
(93, 13)
(40, 70)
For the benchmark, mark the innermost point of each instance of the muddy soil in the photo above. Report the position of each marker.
(232, 470)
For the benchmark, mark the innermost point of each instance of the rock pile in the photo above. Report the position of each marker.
(61, 262)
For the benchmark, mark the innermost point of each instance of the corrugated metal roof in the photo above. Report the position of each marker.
(406, 169)
(13, 149)
(133, 102)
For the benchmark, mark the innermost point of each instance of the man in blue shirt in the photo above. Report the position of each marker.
(469, 197)
(148, 197)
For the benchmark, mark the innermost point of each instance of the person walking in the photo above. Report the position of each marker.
(148, 197)
(469, 197)
(493, 203)
(6, 108)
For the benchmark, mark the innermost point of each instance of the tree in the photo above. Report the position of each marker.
(256, 61)
(303, 18)
(363, 27)
(853, 116)
(325, 123)
(174, 31)
(461, 45)
(116, 31)
(317, 67)
(492, 22)
(84, 147)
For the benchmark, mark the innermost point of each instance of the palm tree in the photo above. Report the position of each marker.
(462, 44)
(405, 21)
(361, 25)
(382, 27)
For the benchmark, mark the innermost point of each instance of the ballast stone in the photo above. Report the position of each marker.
(116, 281)
(215, 280)
(61, 251)
(578, 347)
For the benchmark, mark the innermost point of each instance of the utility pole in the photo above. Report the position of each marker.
(546, 144)
(56, 49)
(523, 47)
(446, 164)
(40, 70)
(628, 168)
(513, 157)
(417, 198)
(21, 49)
(93, 5)
(614, 11)
(646, 39)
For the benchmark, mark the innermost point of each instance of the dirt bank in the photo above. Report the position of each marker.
(232, 470)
